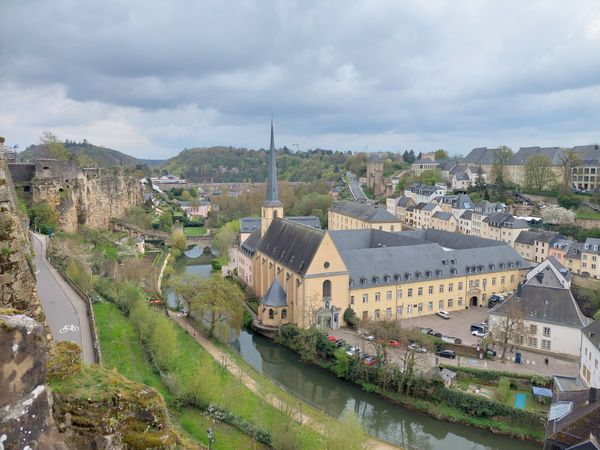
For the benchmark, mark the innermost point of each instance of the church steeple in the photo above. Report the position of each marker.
(271, 207)
(272, 198)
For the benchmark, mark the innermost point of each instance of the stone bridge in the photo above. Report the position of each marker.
(135, 232)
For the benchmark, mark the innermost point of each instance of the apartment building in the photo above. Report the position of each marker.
(347, 215)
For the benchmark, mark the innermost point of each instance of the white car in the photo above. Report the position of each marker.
(479, 334)
(444, 314)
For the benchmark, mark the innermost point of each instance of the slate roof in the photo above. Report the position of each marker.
(467, 215)
(272, 198)
(459, 201)
(545, 304)
(562, 269)
(526, 237)
(369, 238)
(363, 211)
(424, 189)
(249, 224)
(275, 296)
(588, 154)
(447, 165)
(429, 207)
(462, 176)
(443, 215)
(404, 201)
(591, 245)
(452, 240)
(375, 159)
(522, 156)
(574, 250)
(250, 245)
(529, 237)
(480, 155)
(291, 244)
(592, 332)
(310, 221)
(505, 220)
(576, 427)
(424, 161)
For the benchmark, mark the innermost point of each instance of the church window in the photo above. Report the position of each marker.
(271, 314)
(284, 313)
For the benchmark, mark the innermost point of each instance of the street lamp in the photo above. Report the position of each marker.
(211, 438)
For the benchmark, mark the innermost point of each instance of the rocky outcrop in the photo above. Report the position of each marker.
(25, 403)
(88, 197)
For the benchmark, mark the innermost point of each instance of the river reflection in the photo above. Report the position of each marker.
(382, 419)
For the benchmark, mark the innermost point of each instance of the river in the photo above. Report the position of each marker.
(398, 425)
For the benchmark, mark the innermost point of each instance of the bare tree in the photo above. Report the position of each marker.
(538, 173)
(569, 160)
(509, 329)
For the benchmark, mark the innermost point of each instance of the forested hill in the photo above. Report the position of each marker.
(230, 164)
(85, 153)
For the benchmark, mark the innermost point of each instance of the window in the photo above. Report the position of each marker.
(399, 294)
(352, 299)
(284, 313)
(326, 288)
(450, 287)
(459, 301)
(271, 314)
(388, 312)
(399, 310)
(532, 342)
(545, 344)
(430, 306)
(388, 295)
(512, 279)
(377, 296)
(502, 279)
(494, 281)
(450, 303)
(409, 293)
(441, 304)
(547, 331)
(532, 329)
(430, 289)
(420, 307)
(377, 314)
(365, 298)
(441, 288)
(460, 286)
(420, 291)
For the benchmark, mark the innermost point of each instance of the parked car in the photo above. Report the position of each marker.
(368, 337)
(452, 339)
(417, 348)
(434, 333)
(445, 353)
(352, 351)
(331, 338)
(426, 330)
(479, 334)
(370, 361)
(340, 343)
(393, 343)
(494, 300)
(444, 314)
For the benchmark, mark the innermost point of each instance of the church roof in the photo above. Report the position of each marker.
(363, 211)
(275, 296)
(311, 221)
(291, 244)
(251, 243)
(272, 198)
(249, 224)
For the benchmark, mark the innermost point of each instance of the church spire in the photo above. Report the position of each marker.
(272, 198)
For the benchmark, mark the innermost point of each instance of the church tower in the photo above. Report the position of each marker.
(271, 207)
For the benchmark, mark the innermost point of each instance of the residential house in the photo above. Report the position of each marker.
(422, 193)
(515, 168)
(456, 204)
(422, 214)
(481, 157)
(502, 227)
(200, 209)
(551, 319)
(536, 245)
(590, 258)
(422, 165)
(586, 175)
(347, 215)
(465, 221)
(398, 207)
(447, 167)
(589, 364)
(559, 249)
(573, 257)
(445, 221)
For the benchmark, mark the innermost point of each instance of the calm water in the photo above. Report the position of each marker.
(409, 429)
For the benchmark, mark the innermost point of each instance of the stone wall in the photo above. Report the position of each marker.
(587, 224)
(88, 197)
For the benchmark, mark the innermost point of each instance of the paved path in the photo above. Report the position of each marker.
(66, 311)
(251, 384)
(355, 188)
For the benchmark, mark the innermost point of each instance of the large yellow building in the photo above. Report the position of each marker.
(308, 276)
(347, 215)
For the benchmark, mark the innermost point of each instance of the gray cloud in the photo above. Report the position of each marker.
(152, 77)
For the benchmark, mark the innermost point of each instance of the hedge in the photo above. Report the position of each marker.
(494, 376)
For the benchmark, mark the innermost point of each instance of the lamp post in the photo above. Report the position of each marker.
(211, 438)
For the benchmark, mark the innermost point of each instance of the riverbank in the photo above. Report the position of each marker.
(260, 385)
(425, 394)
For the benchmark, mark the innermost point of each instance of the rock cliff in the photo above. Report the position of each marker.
(81, 196)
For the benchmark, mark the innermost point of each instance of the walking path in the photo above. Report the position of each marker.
(232, 366)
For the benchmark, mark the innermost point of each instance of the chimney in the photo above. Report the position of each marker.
(540, 276)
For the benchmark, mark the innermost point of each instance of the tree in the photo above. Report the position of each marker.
(569, 160)
(351, 318)
(186, 196)
(480, 184)
(214, 301)
(510, 328)
(405, 156)
(441, 154)
(411, 157)
(346, 434)
(538, 173)
(165, 221)
(431, 177)
(54, 147)
(557, 215)
(178, 240)
(225, 237)
(500, 158)
(43, 217)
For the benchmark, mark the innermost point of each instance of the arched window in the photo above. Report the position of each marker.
(284, 313)
(271, 314)
(326, 288)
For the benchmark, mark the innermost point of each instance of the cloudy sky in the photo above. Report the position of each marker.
(152, 77)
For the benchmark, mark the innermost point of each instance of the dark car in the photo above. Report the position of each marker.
(445, 353)
(494, 300)
(426, 330)
(340, 343)
(434, 333)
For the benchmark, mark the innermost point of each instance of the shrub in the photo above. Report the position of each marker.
(65, 361)
(350, 317)
(216, 264)
(503, 390)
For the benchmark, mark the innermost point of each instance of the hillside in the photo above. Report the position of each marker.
(86, 154)
(230, 164)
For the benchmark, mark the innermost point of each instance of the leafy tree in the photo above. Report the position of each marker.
(569, 160)
(480, 184)
(431, 177)
(186, 196)
(341, 363)
(43, 217)
(441, 154)
(500, 158)
(411, 157)
(225, 237)
(569, 201)
(538, 173)
(214, 301)
(351, 318)
(54, 147)
(165, 221)
(178, 240)
(346, 434)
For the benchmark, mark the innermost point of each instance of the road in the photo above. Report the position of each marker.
(66, 311)
(355, 188)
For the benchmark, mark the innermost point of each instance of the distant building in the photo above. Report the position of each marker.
(375, 175)
(201, 209)
(348, 215)
(423, 165)
(423, 193)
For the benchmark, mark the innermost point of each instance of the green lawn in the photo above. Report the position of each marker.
(194, 231)
(587, 215)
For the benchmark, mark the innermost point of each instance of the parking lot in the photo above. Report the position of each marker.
(459, 325)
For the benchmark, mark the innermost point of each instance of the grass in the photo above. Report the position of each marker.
(121, 349)
(253, 304)
(194, 231)
(587, 215)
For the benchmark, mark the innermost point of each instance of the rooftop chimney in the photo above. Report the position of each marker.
(540, 276)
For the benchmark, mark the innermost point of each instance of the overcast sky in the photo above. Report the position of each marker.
(152, 77)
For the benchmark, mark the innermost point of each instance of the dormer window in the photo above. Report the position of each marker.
(454, 271)
(444, 262)
(351, 282)
(491, 266)
(407, 276)
(418, 275)
(397, 277)
(438, 273)
(387, 278)
(363, 281)
(428, 273)
(587, 246)
(453, 261)
(375, 279)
